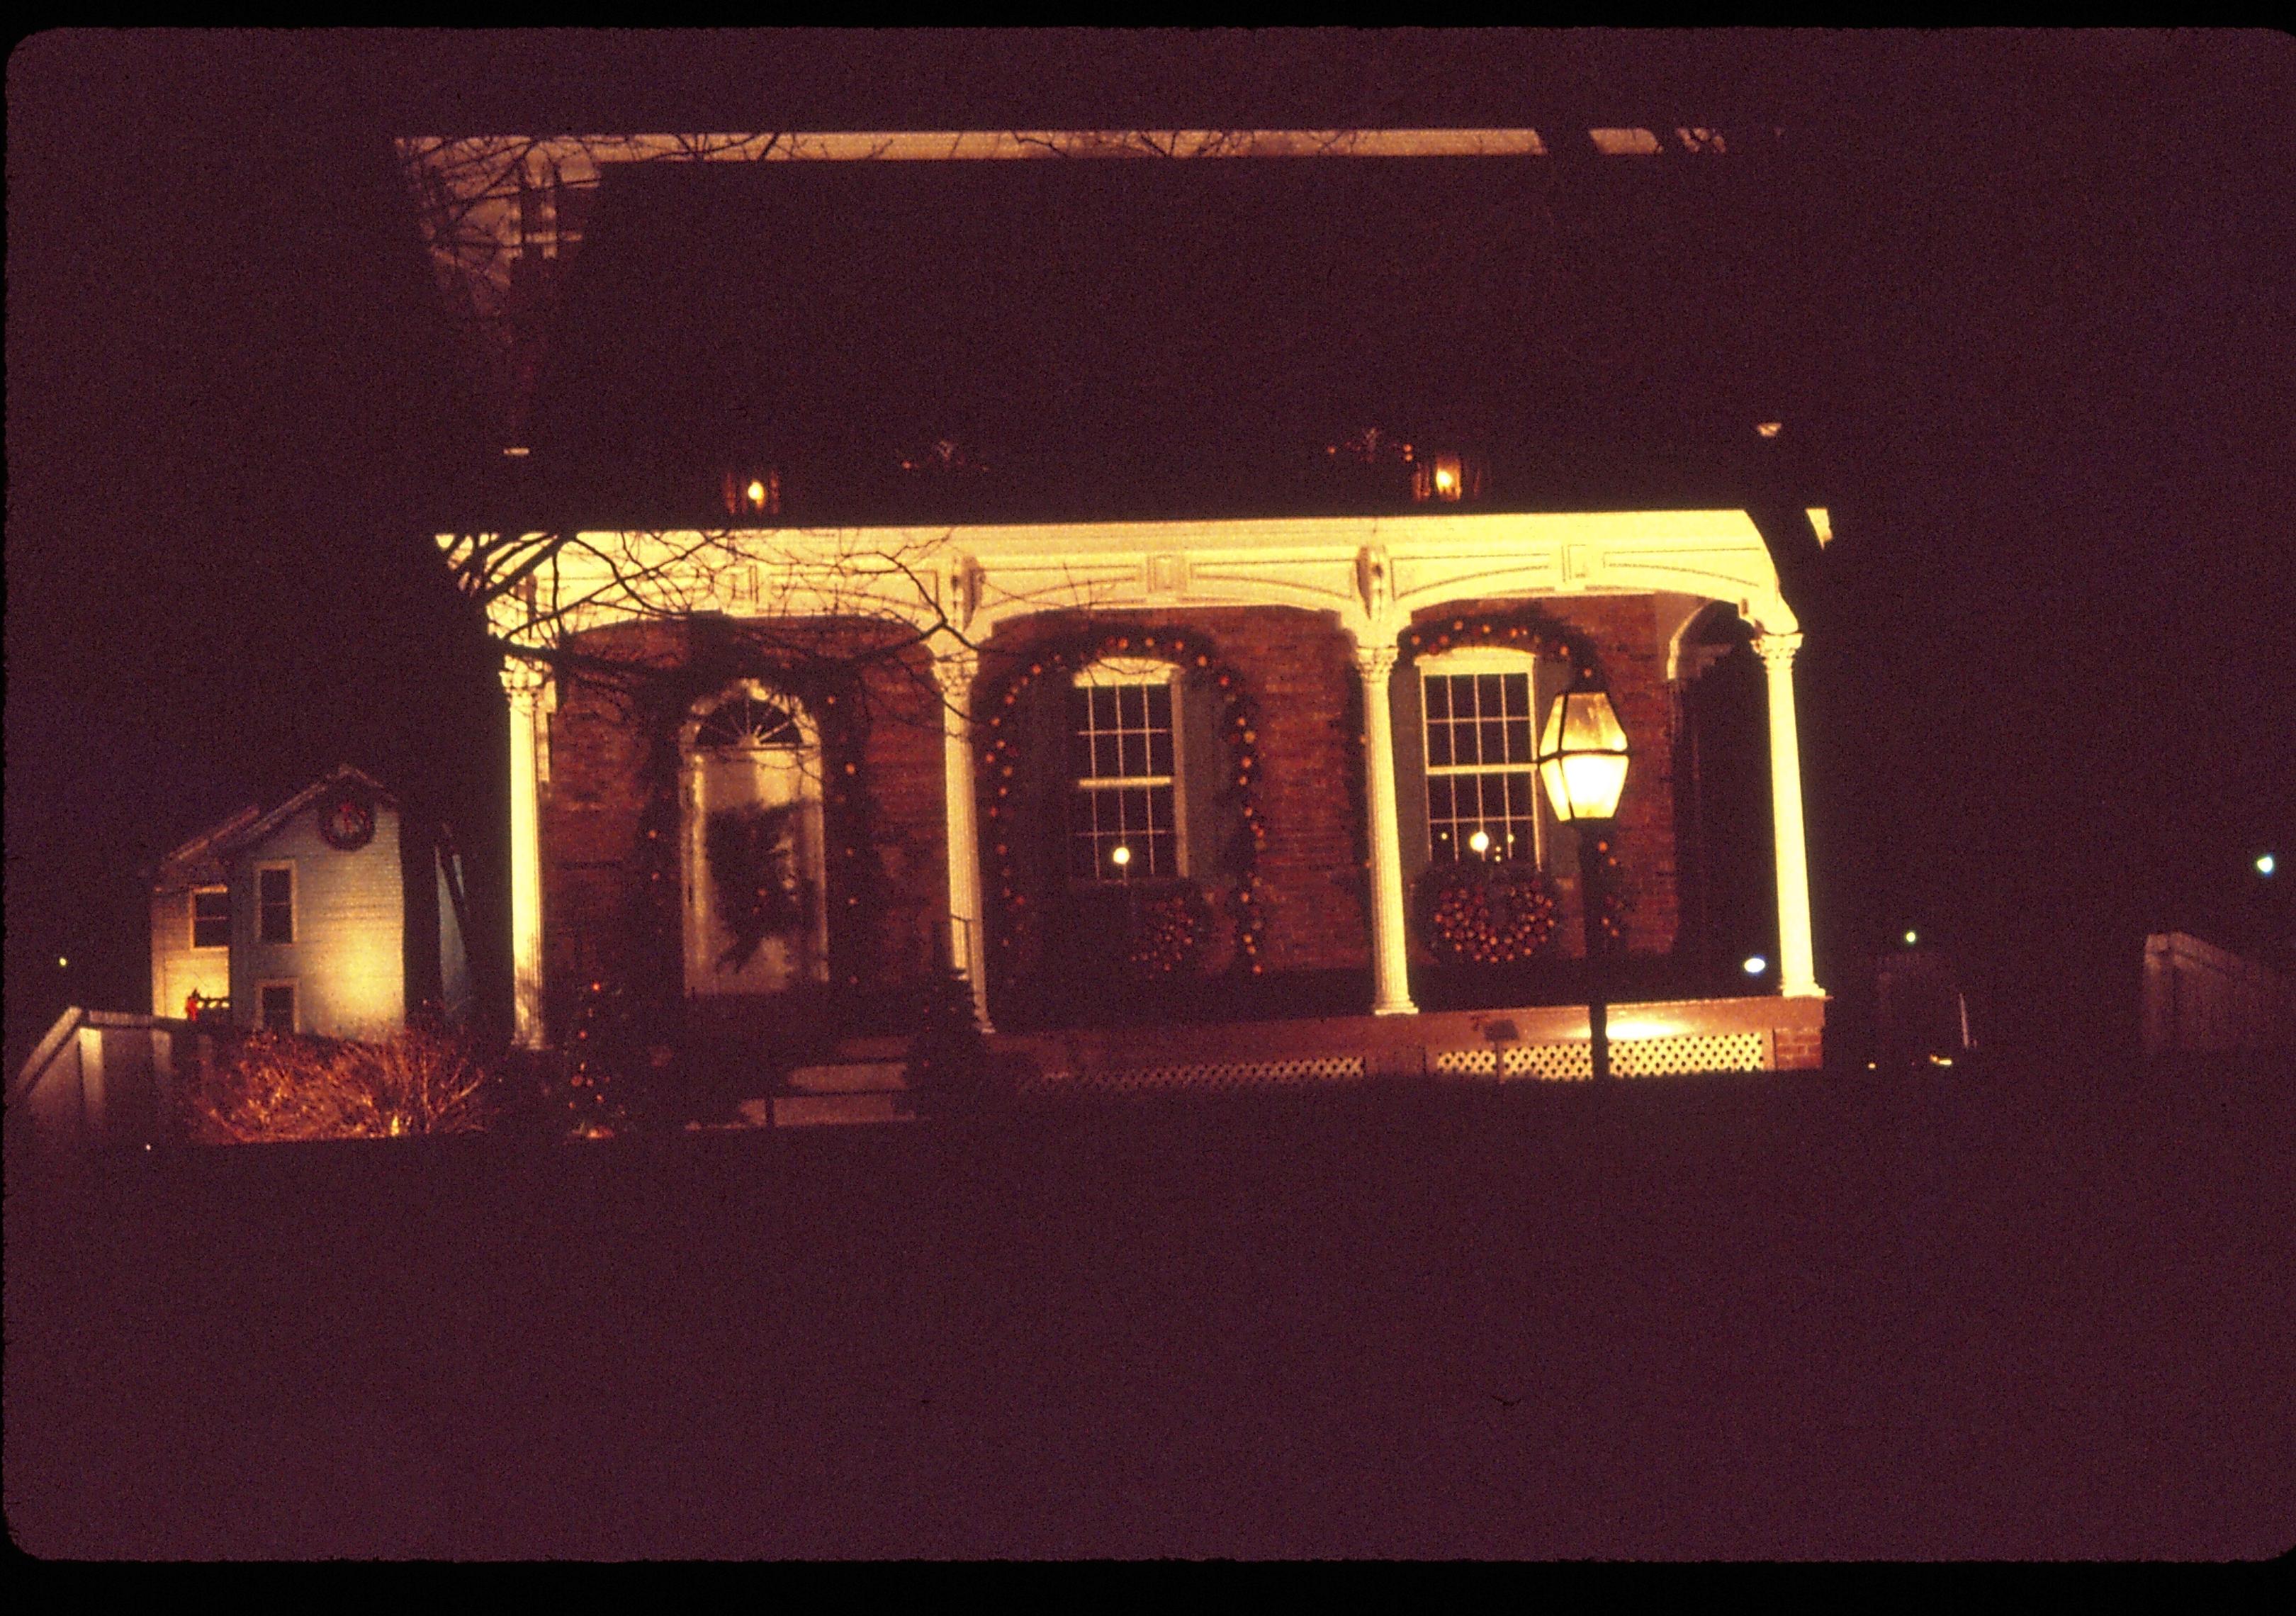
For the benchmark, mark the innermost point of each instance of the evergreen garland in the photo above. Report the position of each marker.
(646, 984)
(1017, 928)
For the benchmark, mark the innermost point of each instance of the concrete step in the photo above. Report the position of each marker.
(850, 1078)
(809, 1110)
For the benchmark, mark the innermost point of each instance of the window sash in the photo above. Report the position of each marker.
(1124, 771)
(274, 891)
(268, 995)
(212, 929)
(1478, 725)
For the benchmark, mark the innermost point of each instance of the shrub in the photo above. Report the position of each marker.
(272, 1086)
(948, 1061)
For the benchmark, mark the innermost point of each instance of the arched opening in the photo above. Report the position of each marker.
(1726, 863)
(755, 898)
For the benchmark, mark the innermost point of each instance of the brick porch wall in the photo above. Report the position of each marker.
(1625, 633)
(1298, 668)
(593, 805)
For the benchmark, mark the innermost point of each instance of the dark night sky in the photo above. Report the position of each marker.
(2048, 356)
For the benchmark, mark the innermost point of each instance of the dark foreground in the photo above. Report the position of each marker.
(2033, 1316)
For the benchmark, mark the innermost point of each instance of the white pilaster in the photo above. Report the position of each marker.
(1391, 958)
(1797, 960)
(522, 683)
(968, 937)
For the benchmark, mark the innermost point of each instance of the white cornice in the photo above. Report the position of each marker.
(1372, 573)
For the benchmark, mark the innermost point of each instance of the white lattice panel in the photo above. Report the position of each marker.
(1558, 1061)
(1690, 1052)
(1464, 1063)
(1216, 1075)
(1564, 1062)
(1630, 1058)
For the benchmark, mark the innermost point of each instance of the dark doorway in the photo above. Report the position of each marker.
(1727, 862)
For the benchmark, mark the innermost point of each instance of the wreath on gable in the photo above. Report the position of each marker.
(1486, 914)
(752, 852)
(348, 823)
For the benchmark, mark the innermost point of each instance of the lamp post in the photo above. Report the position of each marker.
(1582, 758)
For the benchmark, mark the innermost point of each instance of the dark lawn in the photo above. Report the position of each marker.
(2008, 1317)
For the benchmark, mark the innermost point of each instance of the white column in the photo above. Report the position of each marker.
(522, 683)
(1391, 958)
(968, 934)
(1797, 961)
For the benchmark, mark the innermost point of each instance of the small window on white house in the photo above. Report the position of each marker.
(211, 917)
(275, 1003)
(1123, 817)
(1482, 796)
(275, 896)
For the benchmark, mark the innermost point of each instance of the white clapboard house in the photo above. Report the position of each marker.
(329, 914)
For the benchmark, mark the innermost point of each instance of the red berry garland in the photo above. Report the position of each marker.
(1163, 934)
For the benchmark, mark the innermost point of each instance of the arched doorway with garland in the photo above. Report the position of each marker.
(753, 887)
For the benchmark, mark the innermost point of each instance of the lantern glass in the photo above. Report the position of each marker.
(1582, 757)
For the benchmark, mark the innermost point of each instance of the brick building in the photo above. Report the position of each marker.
(1141, 587)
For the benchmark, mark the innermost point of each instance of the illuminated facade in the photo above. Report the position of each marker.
(1102, 725)
(320, 916)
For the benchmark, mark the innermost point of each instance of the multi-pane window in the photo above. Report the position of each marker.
(1123, 813)
(274, 894)
(211, 917)
(1482, 799)
(275, 1003)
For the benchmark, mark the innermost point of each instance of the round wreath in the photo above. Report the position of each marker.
(1239, 721)
(1486, 914)
(752, 858)
(1525, 627)
(1162, 930)
(348, 825)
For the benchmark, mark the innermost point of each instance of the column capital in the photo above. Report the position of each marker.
(1375, 660)
(1777, 649)
(955, 668)
(522, 680)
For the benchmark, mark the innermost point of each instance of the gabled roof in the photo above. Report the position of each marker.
(1144, 339)
(251, 826)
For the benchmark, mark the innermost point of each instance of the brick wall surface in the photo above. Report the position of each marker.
(1625, 633)
(593, 804)
(1299, 668)
(1300, 676)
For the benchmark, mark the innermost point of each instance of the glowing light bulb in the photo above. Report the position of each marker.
(1480, 842)
(2266, 864)
(1120, 855)
(1755, 965)
(1912, 938)
(757, 492)
(62, 964)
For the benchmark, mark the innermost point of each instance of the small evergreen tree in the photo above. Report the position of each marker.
(948, 1064)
